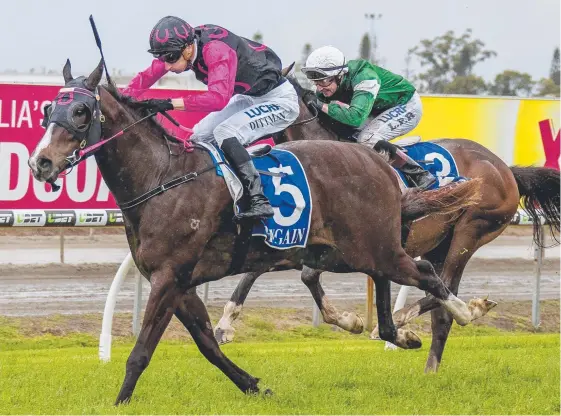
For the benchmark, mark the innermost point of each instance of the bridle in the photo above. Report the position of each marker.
(314, 112)
(89, 134)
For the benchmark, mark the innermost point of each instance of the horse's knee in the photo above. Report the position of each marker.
(310, 276)
(425, 267)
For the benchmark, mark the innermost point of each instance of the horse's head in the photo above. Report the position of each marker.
(73, 120)
(309, 125)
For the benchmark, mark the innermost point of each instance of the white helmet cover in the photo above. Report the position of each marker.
(325, 62)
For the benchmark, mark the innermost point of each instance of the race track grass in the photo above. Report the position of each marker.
(495, 373)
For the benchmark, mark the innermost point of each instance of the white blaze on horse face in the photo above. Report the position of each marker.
(43, 144)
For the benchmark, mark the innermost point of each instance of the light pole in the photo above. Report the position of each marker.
(371, 17)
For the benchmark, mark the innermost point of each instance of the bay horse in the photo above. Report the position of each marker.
(178, 216)
(448, 244)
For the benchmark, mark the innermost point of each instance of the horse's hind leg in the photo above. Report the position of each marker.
(348, 321)
(224, 331)
(386, 329)
(193, 315)
(159, 310)
(468, 237)
(421, 274)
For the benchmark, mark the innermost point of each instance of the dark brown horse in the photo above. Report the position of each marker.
(184, 236)
(447, 244)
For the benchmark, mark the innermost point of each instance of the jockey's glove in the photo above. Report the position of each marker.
(312, 101)
(158, 105)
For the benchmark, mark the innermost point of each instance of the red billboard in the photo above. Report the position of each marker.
(21, 114)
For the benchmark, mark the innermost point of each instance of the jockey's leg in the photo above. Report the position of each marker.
(241, 162)
(393, 123)
(204, 129)
(267, 114)
(400, 160)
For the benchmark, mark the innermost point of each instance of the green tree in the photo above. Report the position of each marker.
(446, 57)
(512, 83)
(306, 51)
(257, 37)
(554, 73)
(365, 50)
(546, 87)
(466, 84)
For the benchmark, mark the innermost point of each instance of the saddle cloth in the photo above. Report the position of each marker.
(285, 185)
(434, 158)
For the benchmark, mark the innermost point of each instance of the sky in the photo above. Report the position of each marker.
(39, 33)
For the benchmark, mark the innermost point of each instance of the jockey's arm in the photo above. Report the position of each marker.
(222, 63)
(145, 79)
(358, 110)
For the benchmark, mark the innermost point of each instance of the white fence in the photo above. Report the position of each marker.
(105, 338)
(114, 217)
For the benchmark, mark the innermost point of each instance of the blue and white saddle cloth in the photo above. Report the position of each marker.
(434, 158)
(286, 186)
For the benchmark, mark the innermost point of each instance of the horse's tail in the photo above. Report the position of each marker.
(539, 192)
(447, 200)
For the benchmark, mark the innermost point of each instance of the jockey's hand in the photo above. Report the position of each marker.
(312, 101)
(158, 105)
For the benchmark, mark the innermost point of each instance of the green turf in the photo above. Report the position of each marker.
(490, 373)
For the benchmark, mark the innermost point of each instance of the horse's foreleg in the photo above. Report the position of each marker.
(386, 329)
(348, 321)
(224, 331)
(159, 310)
(193, 315)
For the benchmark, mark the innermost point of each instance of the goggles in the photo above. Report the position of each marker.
(169, 57)
(321, 77)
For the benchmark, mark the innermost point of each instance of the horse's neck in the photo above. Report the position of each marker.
(309, 131)
(133, 163)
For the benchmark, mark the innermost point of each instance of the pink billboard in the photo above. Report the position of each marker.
(21, 114)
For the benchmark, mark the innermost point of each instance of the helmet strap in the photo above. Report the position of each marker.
(338, 80)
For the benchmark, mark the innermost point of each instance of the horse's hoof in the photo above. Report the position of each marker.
(432, 365)
(224, 336)
(350, 321)
(359, 329)
(480, 307)
(374, 335)
(407, 340)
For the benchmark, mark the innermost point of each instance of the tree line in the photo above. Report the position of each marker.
(448, 65)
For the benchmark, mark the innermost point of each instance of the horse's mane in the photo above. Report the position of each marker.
(300, 90)
(138, 109)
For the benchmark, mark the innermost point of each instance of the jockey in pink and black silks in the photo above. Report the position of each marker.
(247, 96)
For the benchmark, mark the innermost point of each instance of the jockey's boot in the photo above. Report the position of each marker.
(242, 164)
(421, 178)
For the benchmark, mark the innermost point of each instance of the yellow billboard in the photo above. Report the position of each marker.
(520, 131)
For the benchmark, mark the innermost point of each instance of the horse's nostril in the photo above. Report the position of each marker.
(44, 164)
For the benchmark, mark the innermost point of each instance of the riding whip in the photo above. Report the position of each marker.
(98, 42)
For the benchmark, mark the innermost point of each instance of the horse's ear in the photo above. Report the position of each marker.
(286, 71)
(95, 76)
(67, 72)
